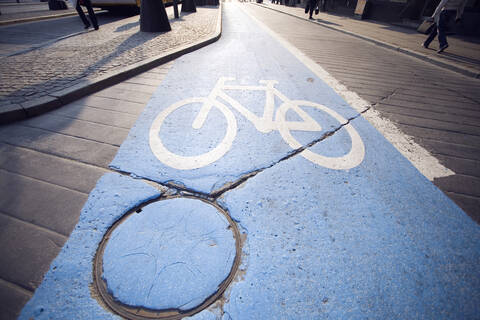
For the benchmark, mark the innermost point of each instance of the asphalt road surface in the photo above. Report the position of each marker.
(260, 178)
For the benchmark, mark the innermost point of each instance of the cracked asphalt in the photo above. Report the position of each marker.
(327, 209)
(334, 219)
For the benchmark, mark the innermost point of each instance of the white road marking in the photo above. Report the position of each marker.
(427, 164)
(263, 124)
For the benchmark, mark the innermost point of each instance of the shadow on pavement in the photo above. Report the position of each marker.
(74, 62)
(453, 56)
(327, 22)
(127, 26)
(395, 28)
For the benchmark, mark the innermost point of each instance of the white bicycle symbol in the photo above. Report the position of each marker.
(264, 124)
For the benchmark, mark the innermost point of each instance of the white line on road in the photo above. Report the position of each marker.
(423, 160)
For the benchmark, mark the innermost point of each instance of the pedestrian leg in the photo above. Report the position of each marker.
(312, 5)
(91, 14)
(82, 15)
(442, 29)
(431, 36)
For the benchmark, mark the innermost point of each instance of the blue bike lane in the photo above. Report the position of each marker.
(249, 189)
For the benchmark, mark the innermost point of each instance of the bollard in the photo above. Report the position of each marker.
(153, 17)
(189, 6)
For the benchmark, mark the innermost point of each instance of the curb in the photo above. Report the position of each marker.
(16, 112)
(45, 17)
(39, 18)
(423, 57)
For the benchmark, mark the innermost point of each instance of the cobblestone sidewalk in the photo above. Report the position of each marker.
(39, 75)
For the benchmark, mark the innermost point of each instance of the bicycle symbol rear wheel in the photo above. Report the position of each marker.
(350, 160)
(191, 162)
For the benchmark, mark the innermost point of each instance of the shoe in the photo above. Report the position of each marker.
(440, 50)
(310, 18)
(424, 45)
(87, 26)
(96, 27)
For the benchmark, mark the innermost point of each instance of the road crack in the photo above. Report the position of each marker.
(388, 96)
(172, 188)
(244, 178)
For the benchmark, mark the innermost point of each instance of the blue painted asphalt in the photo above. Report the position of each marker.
(241, 55)
(353, 231)
(65, 292)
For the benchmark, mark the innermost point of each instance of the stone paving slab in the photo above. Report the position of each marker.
(462, 56)
(46, 78)
(13, 299)
(48, 211)
(40, 244)
(48, 168)
(43, 172)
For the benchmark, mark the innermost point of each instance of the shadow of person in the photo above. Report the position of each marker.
(457, 57)
(328, 22)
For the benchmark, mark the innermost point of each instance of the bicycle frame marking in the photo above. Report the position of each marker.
(268, 122)
(265, 124)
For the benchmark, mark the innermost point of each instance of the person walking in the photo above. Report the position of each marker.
(445, 10)
(91, 14)
(311, 5)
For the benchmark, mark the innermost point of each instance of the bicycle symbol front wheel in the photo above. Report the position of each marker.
(350, 160)
(191, 162)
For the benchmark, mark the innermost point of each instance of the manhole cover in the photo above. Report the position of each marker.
(167, 260)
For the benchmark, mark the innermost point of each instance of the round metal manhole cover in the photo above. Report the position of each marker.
(167, 260)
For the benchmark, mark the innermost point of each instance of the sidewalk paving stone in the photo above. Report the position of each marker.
(50, 76)
(462, 56)
(48, 164)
